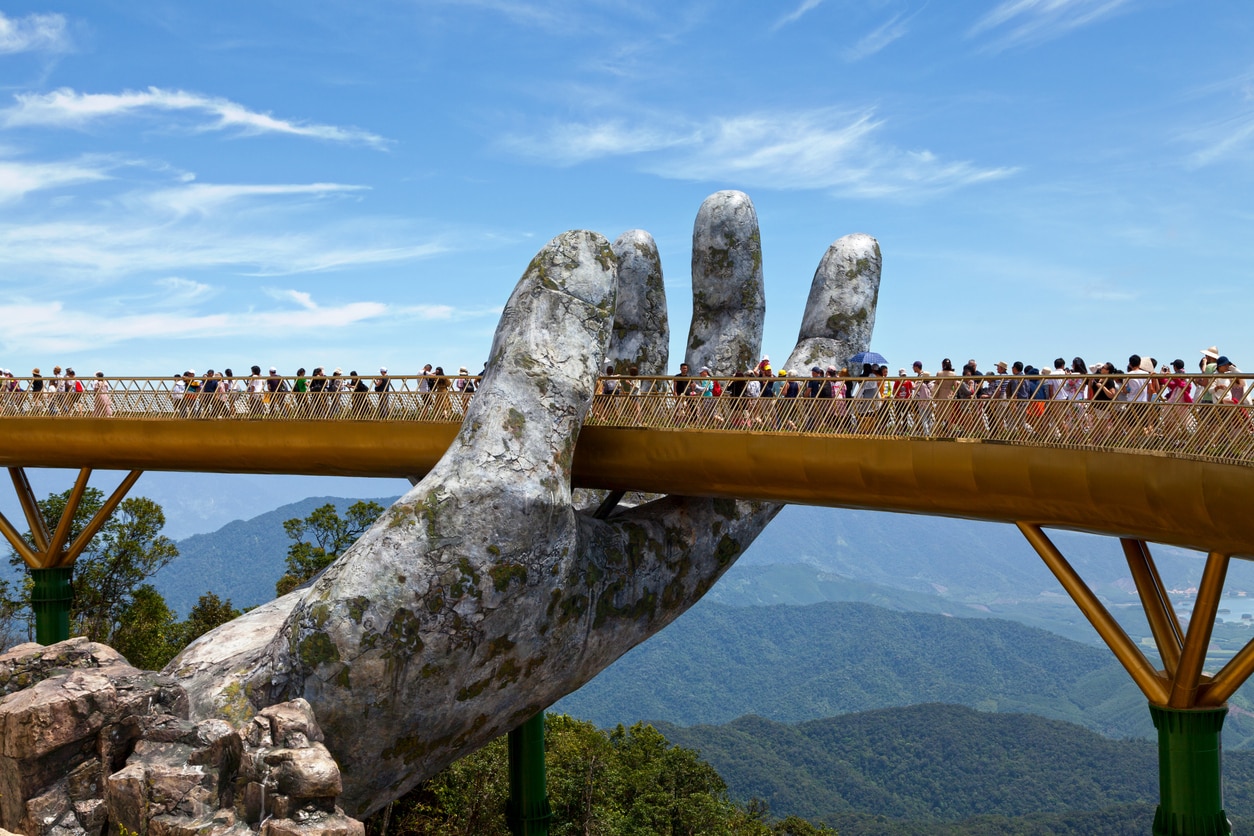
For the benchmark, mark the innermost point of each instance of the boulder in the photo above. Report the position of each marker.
(89, 743)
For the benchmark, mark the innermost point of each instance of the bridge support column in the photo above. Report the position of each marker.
(50, 554)
(51, 597)
(1187, 705)
(1189, 772)
(527, 810)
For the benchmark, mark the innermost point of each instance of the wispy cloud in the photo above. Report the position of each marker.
(517, 11)
(573, 143)
(179, 291)
(878, 38)
(1026, 22)
(66, 108)
(18, 179)
(825, 149)
(60, 326)
(98, 248)
(33, 33)
(204, 198)
(1230, 136)
(796, 14)
(1233, 137)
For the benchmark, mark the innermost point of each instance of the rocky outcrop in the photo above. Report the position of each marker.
(89, 744)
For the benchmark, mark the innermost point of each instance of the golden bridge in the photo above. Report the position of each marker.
(1155, 471)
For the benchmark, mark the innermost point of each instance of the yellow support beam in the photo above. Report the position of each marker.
(1185, 684)
(62, 534)
(1147, 678)
(30, 507)
(1229, 678)
(32, 558)
(101, 517)
(1163, 623)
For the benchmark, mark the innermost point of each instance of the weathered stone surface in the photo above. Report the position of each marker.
(314, 824)
(74, 722)
(727, 292)
(306, 773)
(26, 664)
(840, 313)
(217, 823)
(84, 781)
(289, 719)
(48, 812)
(95, 743)
(642, 334)
(92, 814)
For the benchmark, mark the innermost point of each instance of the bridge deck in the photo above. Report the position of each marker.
(1131, 482)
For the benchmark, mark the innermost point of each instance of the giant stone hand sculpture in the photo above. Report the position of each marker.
(482, 596)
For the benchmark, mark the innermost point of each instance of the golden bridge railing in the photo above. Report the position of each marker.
(1217, 425)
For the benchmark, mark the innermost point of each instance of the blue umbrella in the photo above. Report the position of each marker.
(868, 357)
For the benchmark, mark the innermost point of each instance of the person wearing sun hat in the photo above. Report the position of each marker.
(382, 385)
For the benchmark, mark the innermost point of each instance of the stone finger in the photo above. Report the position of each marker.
(728, 302)
(641, 336)
(840, 311)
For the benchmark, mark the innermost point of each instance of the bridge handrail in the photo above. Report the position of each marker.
(1218, 426)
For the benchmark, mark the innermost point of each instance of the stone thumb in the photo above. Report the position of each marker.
(520, 428)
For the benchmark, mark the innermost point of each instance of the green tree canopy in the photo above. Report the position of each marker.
(320, 538)
(627, 782)
(128, 550)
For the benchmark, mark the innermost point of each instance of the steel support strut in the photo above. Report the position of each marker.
(527, 811)
(1182, 699)
(51, 559)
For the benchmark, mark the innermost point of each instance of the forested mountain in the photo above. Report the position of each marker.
(717, 663)
(928, 768)
(241, 561)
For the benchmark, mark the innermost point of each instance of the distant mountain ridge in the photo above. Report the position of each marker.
(932, 767)
(791, 664)
(240, 561)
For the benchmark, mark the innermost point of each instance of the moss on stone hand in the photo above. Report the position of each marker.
(317, 649)
(503, 574)
(515, 422)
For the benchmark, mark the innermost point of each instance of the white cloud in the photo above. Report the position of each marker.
(300, 297)
(33, 33)
(1026, 22)
(65, 108)
(180, 291)
(18, 179)
(203, 198)
(57, 326)
(877, 38)
(1231, 134)
(1222, 140)
(816, 149)
(572, 143)
(796, 14)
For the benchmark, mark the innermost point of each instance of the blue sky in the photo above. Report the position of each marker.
(361, 184)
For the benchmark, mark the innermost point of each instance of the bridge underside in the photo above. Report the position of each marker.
(1142, 495)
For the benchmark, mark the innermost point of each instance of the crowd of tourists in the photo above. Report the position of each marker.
(1099, 396)
(1067, 400)
(217, 394)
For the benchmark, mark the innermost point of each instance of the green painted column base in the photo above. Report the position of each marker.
(1190, 772)
(51, 598)
(527, 812)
